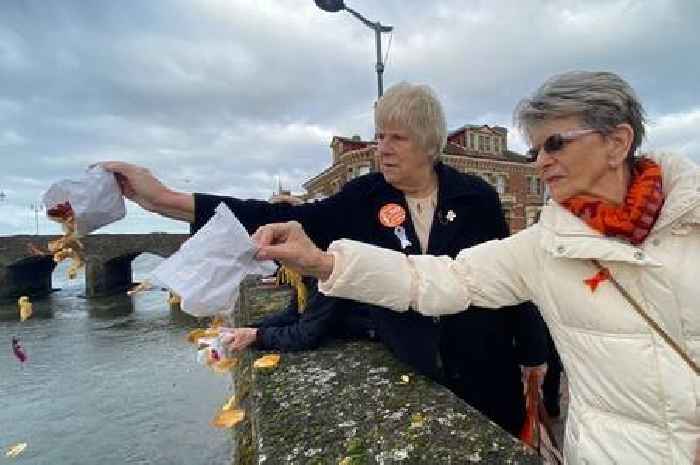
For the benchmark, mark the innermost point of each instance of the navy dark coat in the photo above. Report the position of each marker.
(471, 352)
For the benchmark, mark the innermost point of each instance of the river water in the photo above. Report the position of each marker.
(108, 381)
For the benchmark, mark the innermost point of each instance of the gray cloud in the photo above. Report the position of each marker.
(225, 95)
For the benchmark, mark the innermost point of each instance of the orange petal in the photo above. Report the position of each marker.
(267, 361)
(225, 365)
(228, 418)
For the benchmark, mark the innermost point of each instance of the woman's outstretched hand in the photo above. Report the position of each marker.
(288, 244)
(139, 185)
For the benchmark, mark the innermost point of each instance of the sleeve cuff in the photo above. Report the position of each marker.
(259, 341)
(369, 274)
(204, 207)
(338, 268)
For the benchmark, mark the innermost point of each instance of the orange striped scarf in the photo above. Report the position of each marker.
(633, 220)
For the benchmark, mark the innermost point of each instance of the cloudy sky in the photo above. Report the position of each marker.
(225, 95)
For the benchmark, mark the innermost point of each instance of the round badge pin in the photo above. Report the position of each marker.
(392, 215)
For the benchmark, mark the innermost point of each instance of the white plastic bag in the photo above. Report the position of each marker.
(95, 199)
(208, 269)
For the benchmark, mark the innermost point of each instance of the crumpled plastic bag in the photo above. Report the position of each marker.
(95, 199)
(208, 269)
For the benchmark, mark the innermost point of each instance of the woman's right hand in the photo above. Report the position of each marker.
(137, 184)
(140, 186)
(288, 244)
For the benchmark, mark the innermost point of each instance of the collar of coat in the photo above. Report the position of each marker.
(451, 185)
(456, 191)
(564, 235)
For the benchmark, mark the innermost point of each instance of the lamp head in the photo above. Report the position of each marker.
(331, 6)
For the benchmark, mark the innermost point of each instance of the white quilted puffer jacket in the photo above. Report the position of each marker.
(633, 400)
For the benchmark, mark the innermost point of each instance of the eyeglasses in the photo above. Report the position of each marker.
(557, 141)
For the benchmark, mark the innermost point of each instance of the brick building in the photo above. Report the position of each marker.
(478, 150)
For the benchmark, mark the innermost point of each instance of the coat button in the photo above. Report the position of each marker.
(656, 241)
(639, 255)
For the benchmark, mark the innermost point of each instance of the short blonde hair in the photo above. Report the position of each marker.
(415, 108)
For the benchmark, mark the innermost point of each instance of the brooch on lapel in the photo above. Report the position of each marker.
(446, 218)
(393, 215)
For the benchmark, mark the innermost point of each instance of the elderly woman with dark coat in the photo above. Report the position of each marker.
(415, 205)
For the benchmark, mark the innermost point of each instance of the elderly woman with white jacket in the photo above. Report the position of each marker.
(615, 219)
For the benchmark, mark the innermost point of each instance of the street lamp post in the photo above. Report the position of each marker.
(36, 208)
(333, 6)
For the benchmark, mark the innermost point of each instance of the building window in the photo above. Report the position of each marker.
(487, 144)
(497, 145)
(507, 215)
(472, 143)
(500, 184)
(535, 186)
(362, 170)
(533, 215)
(481, 143)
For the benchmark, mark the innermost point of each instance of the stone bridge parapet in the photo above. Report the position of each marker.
(353, 403)
(24, 270)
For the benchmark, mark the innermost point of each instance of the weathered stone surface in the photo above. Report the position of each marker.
(347, 403)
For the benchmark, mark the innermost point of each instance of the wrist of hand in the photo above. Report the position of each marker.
(174, 204)
(324, 266)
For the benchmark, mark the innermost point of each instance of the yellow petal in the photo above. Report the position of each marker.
(228, 418)
(194, 335)
(267, 361)
(25, 311)
(72, 272)
(232, 402)
(217, 322)
(417, 420)
(14, 451)
(144, 286)
(405, 379)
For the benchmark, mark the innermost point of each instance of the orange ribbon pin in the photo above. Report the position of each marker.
(599, 277)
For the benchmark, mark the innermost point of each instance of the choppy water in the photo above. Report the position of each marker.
(108, 381)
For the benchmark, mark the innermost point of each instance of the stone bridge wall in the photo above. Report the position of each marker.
(108, 261)
(346, 403)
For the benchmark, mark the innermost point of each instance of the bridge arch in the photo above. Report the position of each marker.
(108, 260)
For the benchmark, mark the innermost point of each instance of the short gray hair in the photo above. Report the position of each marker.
(415, 108)
(601, 100)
